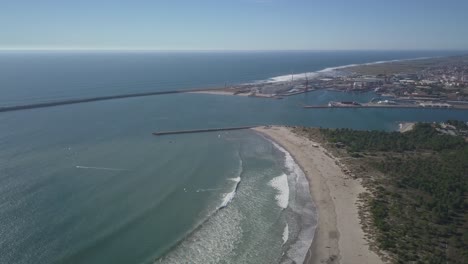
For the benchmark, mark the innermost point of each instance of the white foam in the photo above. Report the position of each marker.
(214, 242)
(280, 183)
(310, 75)
(286, 234)
(289, 161)
(99, 168)
(227, 198)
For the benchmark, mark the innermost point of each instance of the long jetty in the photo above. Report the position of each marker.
(384, 107)
(90, 99)
(174, 132)
(362, 106)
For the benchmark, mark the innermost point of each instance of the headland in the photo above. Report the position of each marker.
(426, 83)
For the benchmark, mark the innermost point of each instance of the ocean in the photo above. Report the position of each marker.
(89, 183)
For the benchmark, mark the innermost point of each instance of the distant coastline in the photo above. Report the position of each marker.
(339, 235)
(282, 80)
(284, 83)
(423, 83)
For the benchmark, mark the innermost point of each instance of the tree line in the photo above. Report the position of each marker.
(420, 207)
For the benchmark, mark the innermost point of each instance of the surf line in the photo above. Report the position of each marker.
(228, 197)
(99, 168)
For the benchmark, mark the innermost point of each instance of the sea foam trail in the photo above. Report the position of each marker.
(238, 179)
(229, 196)
(99, 168)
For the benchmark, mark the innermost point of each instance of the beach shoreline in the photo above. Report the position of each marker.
(339, 237)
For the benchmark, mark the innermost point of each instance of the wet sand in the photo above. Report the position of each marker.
(339, 237)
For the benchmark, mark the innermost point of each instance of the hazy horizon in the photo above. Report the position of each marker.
(243, 25)
(224, 50)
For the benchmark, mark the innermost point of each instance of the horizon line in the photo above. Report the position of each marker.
(211, 50)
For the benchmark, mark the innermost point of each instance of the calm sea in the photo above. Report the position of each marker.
(88, 183)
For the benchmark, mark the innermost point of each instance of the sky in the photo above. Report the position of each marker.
(234, 24)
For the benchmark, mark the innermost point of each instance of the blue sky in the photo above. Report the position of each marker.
(234, 24)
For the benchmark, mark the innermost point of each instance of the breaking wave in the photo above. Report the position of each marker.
(229, 196)
(303, 209)
(202, 244)
(285, 233)
(280, 183)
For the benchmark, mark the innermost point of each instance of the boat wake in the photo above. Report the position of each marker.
(99, 168)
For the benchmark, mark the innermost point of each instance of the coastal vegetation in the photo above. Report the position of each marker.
(419, 184)
(423, 137)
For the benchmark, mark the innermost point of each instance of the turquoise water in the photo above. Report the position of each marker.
(88, 183)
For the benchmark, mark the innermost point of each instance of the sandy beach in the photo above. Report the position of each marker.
(339, 237)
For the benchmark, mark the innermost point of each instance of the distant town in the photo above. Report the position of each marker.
(429, 83)
(439, 83)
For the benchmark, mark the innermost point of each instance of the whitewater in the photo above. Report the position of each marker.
(330, 71)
